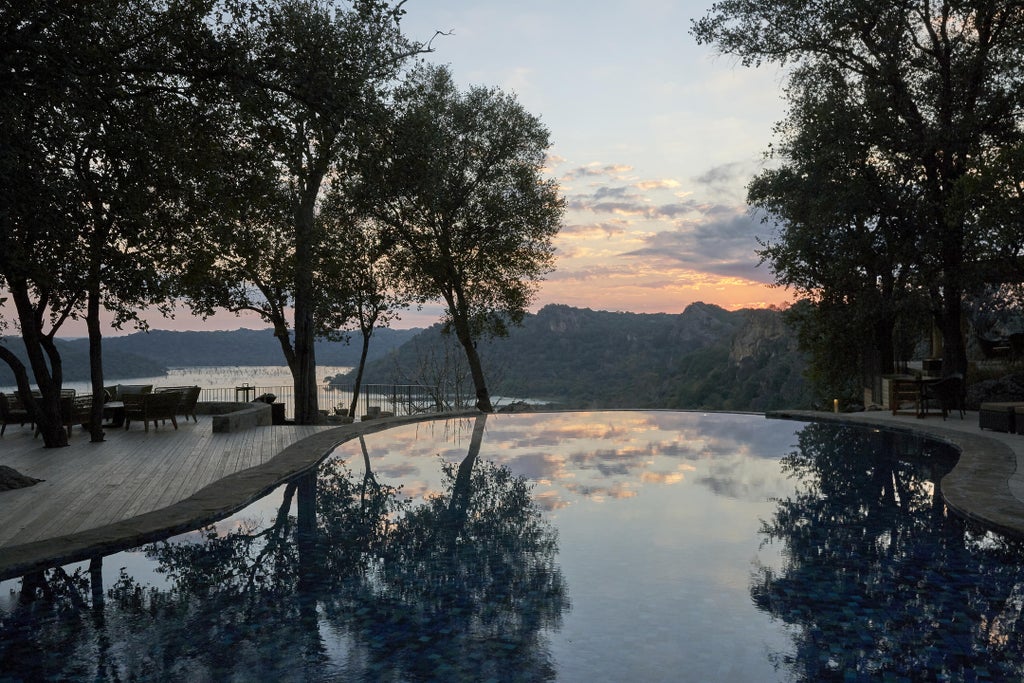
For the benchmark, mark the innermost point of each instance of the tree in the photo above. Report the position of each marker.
(368, 276)
(91, 128)
(937, 85)
(305, 77)
(250, 262)
(457, 182)
(845, 240)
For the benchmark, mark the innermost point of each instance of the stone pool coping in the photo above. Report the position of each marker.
(210, 504)
(986, 486)
(987, 483)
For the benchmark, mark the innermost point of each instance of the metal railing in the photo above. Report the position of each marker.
(398, 399)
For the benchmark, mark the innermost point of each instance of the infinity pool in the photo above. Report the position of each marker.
(602, 546)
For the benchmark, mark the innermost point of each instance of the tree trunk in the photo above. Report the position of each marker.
(476, 370)
(92, 320)
(46, 408)
(19, 370)
(307, 411)
(880, 358)
(456, 514)
(304, 373)
(359, 372)
(954, 349)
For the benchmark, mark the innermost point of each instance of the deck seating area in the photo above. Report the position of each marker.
(12, 412)
(138, 402)
(188, 397)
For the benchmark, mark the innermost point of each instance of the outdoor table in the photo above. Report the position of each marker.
(114, 412)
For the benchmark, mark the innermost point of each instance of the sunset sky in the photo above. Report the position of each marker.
(654, 140)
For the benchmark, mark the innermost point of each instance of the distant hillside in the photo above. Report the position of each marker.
(704, 358)
(244, 347)
(75, 362)
(147, 354)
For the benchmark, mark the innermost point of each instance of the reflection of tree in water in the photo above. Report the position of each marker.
(878, 579)
(459, 587)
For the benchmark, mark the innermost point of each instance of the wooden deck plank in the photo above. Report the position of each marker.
(133, 472)
(137, 485)
(193, 477)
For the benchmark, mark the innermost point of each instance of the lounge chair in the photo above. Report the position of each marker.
(117, 392)
(151, 408)
(74, 410)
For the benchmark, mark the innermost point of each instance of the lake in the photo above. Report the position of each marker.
(221, 382)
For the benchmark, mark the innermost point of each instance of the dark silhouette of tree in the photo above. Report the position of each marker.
(935, 90)
(878, 579)
(847, 242)
(302, 79)
(457, 181)
(95, 170)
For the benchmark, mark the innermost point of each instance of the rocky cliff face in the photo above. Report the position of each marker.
(561, 319)
(705, 357)
(702, 325)
(763, 335)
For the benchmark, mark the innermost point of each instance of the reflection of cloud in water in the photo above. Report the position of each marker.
(550, 431)
(396, 470)
(418, 490)
(537, 466)
(731, 479)
(667, 477)
(754, 438)
(618, 490)
(549, 500)
(599, 455)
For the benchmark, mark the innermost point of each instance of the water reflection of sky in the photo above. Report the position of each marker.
(676, 546)
(596, 456)
(657, 516)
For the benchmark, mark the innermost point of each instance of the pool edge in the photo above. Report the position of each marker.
(978, 487)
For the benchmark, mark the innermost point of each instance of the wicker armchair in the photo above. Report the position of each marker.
(12, 411)
(948, 392)
(74, 410)
(189, 398)
(151, 408)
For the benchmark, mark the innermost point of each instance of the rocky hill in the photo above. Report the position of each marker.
(704, 358)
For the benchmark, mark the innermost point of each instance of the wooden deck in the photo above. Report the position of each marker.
(137, 486)
(90, 485)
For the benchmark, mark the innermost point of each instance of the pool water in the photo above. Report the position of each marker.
(556, 546)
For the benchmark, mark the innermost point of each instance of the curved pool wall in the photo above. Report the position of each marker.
(978, 488)
(682, 551)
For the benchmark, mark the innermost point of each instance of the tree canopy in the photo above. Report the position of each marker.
(305, 80)
(930, 97)
(458, 184)
(136, 132)
(93, 123)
